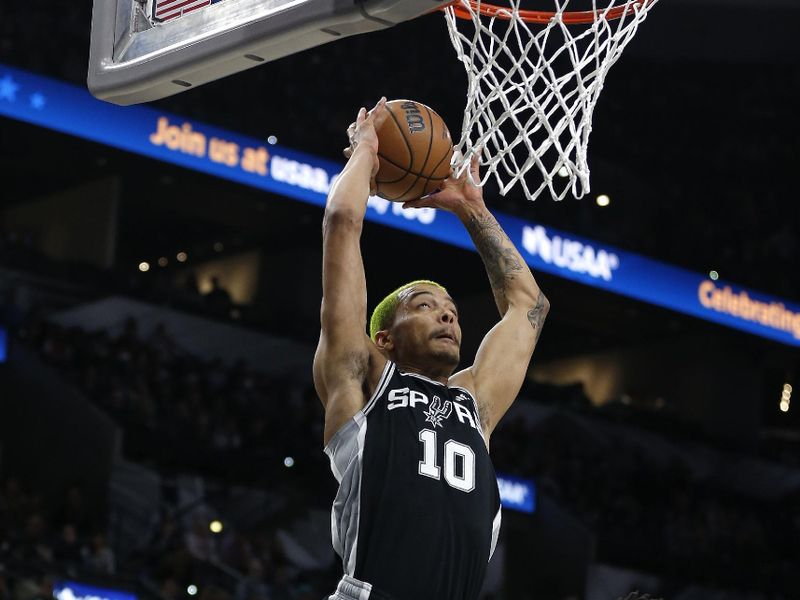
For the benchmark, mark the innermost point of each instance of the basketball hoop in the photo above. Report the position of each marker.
(534, 78)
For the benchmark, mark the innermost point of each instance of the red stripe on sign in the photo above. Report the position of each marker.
(165, 3)
(191, 8)
(168, 15)
(175, 9)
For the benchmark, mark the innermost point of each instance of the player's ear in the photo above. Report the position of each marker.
(384, 341)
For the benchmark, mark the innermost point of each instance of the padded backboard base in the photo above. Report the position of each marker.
(134, 58)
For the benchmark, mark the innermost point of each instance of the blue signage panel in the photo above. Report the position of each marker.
(71, 590)
(517, 494)
(293, 174)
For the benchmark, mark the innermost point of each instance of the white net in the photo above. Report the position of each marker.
(532, 88)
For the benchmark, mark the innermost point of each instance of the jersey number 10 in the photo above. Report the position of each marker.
(465, 481)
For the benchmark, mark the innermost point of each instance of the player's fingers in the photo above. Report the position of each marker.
(362, 116)
(458, 175)
(475, 161)
(379, 106)
(419, 202)
(379, 113)
(348, 152)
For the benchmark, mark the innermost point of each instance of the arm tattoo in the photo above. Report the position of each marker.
(497, 252)
(537, 314)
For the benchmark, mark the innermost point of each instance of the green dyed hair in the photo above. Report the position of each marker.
(383, 314)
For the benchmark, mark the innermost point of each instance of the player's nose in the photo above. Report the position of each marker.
(448, 316)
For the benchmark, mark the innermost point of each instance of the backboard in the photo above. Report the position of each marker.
(143, 50)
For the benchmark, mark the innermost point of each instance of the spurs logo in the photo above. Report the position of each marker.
(438, 412)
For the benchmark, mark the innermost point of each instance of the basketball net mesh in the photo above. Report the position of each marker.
(532, 89)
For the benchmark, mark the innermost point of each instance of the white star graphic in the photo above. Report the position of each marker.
(8, 89)
(38, 101)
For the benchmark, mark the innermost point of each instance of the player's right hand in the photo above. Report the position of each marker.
(458, 194)
(363, 133)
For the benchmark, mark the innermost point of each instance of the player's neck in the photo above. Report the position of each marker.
(441, 376)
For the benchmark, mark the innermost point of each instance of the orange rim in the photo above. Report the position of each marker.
(543, 16)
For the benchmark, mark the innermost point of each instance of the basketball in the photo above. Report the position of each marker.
(414, 150)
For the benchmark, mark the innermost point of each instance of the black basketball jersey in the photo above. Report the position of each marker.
(418, 509)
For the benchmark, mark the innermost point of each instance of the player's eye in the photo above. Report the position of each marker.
(421, 304)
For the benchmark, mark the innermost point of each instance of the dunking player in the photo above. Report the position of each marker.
(417, 513)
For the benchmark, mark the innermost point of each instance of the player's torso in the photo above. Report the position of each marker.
(427, 499)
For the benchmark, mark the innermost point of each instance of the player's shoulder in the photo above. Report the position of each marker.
(463, 383)
(463, 380)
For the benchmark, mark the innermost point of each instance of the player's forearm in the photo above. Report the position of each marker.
(511, 280)
(350, 192)
(344, 289)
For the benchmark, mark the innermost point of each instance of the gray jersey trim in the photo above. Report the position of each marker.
(337, 457)
(345, 451)
(350, 588)
(496, 530)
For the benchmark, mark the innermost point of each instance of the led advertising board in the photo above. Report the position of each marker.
(301, 176)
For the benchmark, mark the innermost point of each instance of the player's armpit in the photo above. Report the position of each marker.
(344, 379)
(501, 363)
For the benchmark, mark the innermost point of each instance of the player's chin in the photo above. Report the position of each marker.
(447, 356)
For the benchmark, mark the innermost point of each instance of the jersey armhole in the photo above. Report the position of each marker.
(477, 410)
(386, 376)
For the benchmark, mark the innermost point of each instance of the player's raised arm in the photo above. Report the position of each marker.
(502, 360)
(345, 359)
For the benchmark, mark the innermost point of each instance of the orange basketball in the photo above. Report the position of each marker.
(414, 150)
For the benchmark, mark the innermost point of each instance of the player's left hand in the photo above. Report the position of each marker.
(456, 193)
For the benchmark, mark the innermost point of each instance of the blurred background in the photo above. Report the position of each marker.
(160, 437)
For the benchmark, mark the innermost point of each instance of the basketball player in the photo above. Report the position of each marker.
(417, 513)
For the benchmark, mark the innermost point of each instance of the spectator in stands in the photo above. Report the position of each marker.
(40, 588)
(100, 558)
(646, 514)
(161, 344)
(253, 586)
(218, 300)
(33, 546)
(199, 541)
(68, 549)
(74, 511)
(170, 590)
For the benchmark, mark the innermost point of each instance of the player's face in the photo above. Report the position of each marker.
(426, 327)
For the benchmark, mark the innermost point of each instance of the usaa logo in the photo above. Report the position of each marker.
(569, 254)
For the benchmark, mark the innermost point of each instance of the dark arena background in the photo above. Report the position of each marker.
(160, 438)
